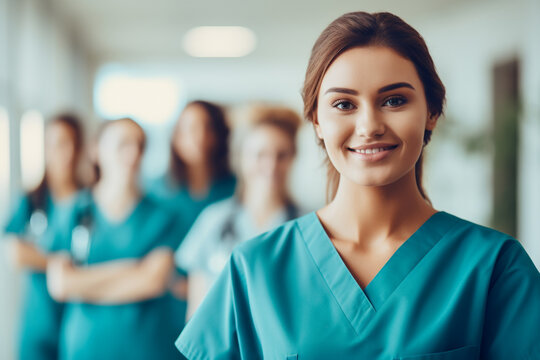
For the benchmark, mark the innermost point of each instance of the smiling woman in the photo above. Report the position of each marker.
(388, 118)
(377, 273)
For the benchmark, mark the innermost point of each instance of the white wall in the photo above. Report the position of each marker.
(466, 43)
(529, 167)
(41, 69)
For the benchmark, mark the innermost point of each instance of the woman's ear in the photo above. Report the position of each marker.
(431, 122)
(317, 127)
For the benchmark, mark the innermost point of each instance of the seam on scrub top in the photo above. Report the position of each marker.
(324, 279)
(442, 236)
(241, 274)
(190, 353)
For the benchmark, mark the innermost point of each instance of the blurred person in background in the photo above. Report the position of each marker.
(31, 242)
(114, 283)
(261, 202)
(377, 273)
(199, 172)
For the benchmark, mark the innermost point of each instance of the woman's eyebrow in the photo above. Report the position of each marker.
(395, 86)
(341, 90)
(380, 91)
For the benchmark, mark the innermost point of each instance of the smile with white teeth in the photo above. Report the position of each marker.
(371, 151)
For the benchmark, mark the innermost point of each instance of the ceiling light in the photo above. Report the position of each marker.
(219, 41)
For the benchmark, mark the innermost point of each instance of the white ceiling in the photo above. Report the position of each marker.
(152, 30)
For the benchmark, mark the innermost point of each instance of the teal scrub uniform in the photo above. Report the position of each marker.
(41, 315)
(178, 199)
(138, 330)
(453, 291)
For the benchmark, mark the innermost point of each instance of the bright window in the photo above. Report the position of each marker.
(153, 98)
(4, 155)
(150, 98)
(32, 148)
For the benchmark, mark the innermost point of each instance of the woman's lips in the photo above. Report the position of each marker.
(373, 152)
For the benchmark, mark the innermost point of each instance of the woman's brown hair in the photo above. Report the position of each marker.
(38, 196)
(361, 29)
(218, 156)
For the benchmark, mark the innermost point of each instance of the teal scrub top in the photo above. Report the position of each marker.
(40, 315)
(453, 290)
(137, 330)
(178, 199)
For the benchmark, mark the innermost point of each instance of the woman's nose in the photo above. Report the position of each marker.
(368, 123)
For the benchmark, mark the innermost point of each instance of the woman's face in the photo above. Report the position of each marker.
(194, 138)
(372, 115)
(119, 149)
(267, 156)
(60, 149)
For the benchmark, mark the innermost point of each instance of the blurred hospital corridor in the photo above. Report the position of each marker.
(184, 122)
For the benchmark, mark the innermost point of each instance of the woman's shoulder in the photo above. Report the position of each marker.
(282, 241)
(214, 216)
(161, 187)
(222, 207)
(228, 179)
(474, 234)
(491, 248)
(152, 208)
(22, 200)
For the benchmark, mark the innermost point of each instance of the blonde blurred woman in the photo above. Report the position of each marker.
(261, 201)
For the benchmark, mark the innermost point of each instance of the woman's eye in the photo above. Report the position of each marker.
(395, 101)
(343, 105)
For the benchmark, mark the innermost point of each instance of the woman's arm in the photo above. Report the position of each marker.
(24, 255)
(113, 282)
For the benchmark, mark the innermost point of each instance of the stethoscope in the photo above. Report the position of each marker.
(37, 225)
(218, 259)
(81, 237)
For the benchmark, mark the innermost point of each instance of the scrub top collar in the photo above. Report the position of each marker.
(125, 219)
(360, 305)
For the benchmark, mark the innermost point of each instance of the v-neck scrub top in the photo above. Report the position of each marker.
(453, 290)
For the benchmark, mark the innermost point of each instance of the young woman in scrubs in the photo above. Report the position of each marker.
(198, 176)
(31, 242)
(378, 273)
(199, 172)
(114, 283)
(262, 201)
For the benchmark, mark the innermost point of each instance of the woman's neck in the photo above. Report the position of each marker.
(116, 197)
(61, 188)
(199, 179)
(368, 214)
(263, 202)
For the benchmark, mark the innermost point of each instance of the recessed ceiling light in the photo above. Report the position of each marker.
(219, 41)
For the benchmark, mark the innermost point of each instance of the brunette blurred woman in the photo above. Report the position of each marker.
(261, 202)
(31, 242)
